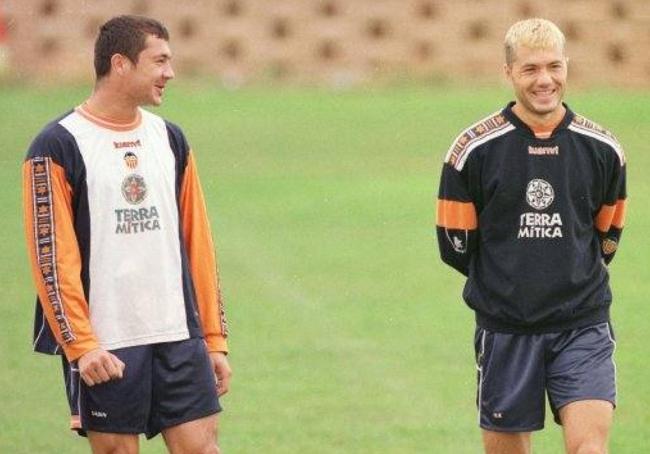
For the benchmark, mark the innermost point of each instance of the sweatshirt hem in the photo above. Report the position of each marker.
(594, 317)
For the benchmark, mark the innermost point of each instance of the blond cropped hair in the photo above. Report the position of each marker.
(533, 33)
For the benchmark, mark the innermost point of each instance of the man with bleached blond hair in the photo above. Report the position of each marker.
(531, 208)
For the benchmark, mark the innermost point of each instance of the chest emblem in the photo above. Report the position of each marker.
(539, 194)
(134, 189)
(131, 160)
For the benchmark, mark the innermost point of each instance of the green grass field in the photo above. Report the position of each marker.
(348, 335)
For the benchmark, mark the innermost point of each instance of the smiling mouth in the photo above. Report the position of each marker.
(544, 93)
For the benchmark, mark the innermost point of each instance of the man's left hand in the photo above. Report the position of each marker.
(222, 371)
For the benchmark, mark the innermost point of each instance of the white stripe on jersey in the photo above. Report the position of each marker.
(478, 140)
(486, 138)
(601, 137)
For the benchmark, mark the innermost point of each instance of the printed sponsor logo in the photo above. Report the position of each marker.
(98, 414)
(134, 189)
(544, 151)
(127, 144)
(540, 225)
(131, 160)
(130, 221)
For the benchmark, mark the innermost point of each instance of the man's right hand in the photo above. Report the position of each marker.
(99, 366)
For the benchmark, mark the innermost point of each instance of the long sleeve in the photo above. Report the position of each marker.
(610, 220)
(202, 259)
(54, 252)
(457, 222)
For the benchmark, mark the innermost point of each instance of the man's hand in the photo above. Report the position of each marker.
(222, 371)
(99, 366)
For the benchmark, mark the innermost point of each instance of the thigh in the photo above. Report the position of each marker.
(586, 425)
(120, 406)
(506, 443)
(582, 367)
(198, 435)
(184, 385)
(510, 395)
(107, 443)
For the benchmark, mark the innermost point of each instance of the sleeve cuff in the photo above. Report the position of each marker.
(77, 349)
(216, 343)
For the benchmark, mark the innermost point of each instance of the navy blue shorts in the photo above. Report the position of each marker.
(163, 385)
(516, 370)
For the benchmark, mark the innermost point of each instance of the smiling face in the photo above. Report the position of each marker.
(538, 77)
(146, 79)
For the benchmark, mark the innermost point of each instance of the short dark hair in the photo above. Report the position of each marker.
(124, 35)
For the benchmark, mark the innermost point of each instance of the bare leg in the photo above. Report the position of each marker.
(506, 442)
(193, 437)
(110, 443)
(586, 426)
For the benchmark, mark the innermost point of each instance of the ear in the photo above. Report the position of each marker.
(119, 64)
(507, 71)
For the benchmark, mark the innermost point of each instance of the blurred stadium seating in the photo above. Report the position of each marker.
(336, 42)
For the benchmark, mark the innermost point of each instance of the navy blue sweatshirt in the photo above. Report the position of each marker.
(533, 222)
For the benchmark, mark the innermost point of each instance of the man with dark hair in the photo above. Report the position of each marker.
(531, 209)
(125, 35)
(123, 259)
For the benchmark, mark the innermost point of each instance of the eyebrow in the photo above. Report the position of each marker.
(165, 55)
(534, 65)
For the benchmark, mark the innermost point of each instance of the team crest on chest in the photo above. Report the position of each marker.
(134, 189)
(131, 160)
(539, 194)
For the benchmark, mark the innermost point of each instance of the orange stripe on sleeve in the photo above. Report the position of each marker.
(203, 262)
(604, 217)
(456, 215)
(54, 255)
(618, 220)
(611, 215)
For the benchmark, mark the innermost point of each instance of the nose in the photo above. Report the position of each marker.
(169, 72)
(544, 78)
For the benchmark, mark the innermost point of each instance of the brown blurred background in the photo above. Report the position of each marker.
(332, 42)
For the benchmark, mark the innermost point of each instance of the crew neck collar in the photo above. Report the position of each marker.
(109, 123)
(519, 123)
